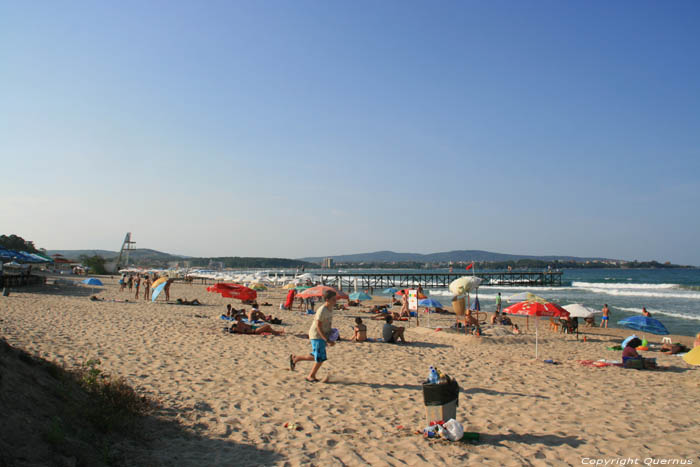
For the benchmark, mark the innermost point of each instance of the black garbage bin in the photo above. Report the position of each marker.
(441, 400)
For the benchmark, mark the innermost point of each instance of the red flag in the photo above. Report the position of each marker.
(470, 266)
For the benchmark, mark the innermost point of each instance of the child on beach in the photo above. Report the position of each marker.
(606, 316)
(319, 335)
(360, 331)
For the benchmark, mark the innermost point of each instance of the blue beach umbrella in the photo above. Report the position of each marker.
(476, 306)
(644, 324)
(91, 281)
(390, 291)
(359, 296)
(157, 291)
(430, 303)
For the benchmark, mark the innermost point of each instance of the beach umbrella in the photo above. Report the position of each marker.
(159, 288)
(160, 280)
(693, 357)
(644, 324)
(359, 296)
(257, 286)
(318, 292)
(526, 297)
(464, 285)
(91, 281)
(291, 285)
(232, 290)
(476, 306)
(536, 309)
(429, 303)
(390, 291)
(576, 310)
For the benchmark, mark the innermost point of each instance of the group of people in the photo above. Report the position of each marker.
(258, 322)
(138, 281)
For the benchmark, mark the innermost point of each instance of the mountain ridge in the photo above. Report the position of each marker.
(442, 257)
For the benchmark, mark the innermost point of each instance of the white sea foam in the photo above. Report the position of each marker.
(606, 285)
(638, 293)
(659, 312)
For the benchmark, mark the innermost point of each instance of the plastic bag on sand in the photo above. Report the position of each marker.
(453, 430)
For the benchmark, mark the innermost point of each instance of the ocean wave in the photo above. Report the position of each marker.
(637, 293)
(659, 312)
(603, 285)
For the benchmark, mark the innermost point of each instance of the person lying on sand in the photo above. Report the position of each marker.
(359, 331)
(242, 328)
(181, 301)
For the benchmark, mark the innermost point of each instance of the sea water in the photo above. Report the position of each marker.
(671, 295)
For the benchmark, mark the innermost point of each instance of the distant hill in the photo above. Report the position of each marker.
(443, 257)
(139, 255)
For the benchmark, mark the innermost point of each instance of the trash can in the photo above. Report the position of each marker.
(441, 401)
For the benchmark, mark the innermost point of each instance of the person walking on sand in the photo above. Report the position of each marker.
(606, 316)
(319, 335)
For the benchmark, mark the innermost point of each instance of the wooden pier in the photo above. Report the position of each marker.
(439, 280)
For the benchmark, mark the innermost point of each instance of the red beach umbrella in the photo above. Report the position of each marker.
(536, 309)
(230, 290)
(318, 292)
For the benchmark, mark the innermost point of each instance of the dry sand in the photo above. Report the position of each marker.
(229, 396)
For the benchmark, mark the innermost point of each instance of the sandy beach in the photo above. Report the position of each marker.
(227, 397)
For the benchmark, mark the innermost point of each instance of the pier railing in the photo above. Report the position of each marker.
(439, 280)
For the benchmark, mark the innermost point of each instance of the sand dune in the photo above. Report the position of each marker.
(235, 393)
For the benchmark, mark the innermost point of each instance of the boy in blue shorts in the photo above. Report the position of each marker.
(319, 336)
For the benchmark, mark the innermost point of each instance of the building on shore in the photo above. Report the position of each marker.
(327, 263)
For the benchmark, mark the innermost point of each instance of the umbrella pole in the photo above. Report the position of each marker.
(536, 336)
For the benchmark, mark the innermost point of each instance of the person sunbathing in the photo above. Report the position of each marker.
(256, 315)
(239, 327)
(181, 301)
(359, 331)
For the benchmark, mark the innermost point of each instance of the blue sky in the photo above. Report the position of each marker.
(315, 128)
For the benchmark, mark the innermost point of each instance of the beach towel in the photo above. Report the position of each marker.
(599, 363)
(290, 299)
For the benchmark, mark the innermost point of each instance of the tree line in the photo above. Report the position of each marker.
(17, 243)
